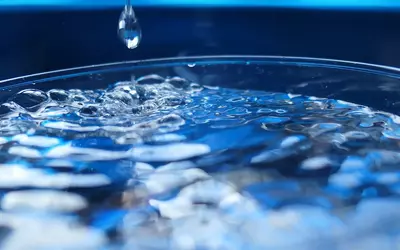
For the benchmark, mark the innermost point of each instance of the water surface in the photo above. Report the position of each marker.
(161, 163)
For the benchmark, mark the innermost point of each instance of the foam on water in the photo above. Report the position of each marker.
(164, 163)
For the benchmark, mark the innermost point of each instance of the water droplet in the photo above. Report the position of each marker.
(129, 29)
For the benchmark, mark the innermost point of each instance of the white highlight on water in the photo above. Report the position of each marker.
(43, 200)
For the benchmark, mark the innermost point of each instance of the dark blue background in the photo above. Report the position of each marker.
(36, 41)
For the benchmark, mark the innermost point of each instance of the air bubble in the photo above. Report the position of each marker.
(30, 99)
(58, 95)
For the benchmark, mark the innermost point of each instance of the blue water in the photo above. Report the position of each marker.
(158, 163)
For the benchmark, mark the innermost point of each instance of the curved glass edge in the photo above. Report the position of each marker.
(200, 61)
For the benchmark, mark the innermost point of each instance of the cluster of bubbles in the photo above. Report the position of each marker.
(165, 163)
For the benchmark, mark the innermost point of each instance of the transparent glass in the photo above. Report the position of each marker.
(367, 84)
(160, 162)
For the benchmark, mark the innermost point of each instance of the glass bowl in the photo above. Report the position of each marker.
(372, 85)
(248, 154)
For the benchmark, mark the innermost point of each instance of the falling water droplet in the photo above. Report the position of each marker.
(128, 27)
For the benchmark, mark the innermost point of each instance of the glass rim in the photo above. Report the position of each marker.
(203, 60)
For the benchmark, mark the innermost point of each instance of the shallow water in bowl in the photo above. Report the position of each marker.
(163, 163)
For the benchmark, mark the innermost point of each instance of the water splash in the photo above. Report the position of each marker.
(164, 163)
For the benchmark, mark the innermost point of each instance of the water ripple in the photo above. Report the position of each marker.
(165, 163)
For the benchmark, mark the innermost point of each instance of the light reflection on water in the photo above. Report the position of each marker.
(169, 164)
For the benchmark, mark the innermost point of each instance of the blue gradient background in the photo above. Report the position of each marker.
(93, 4)
(44, 35)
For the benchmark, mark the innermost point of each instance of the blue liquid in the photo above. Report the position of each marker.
(168, 164)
